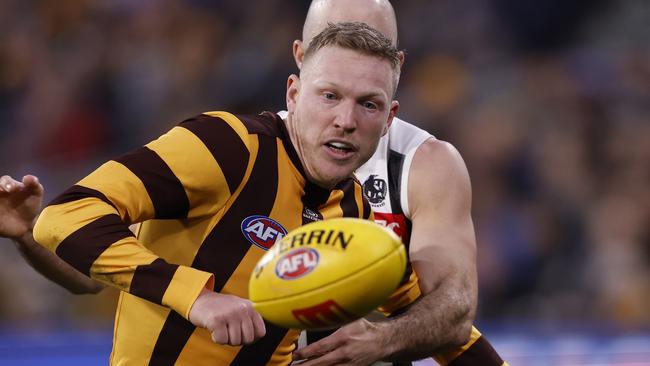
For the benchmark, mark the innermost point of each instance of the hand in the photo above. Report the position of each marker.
(20, 203)
(230, 319)
(358, 343)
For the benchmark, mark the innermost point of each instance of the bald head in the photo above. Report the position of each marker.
(378, 14)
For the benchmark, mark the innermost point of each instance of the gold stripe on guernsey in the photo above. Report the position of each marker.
(181, 292)
(201, 351)
(237, 284)
(71, 216)
(195, 175)
(235, 123)
(162, 237)
(286, 205)
(126, 192)
(282, 355)
(328, 210)
(136, 341)
(126, 253)
(358, 198)
(445, 358)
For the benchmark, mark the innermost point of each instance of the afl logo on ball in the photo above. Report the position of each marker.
(262, 231)
(297, 263)
(374, 189)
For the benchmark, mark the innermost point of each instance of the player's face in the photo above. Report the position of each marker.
(338, 109)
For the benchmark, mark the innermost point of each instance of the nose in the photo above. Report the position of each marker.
(345, 118)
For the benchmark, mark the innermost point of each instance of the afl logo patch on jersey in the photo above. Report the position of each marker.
(297, 263)
(374, 189)
(262, 231)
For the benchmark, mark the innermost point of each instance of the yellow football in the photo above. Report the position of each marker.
(327, 273)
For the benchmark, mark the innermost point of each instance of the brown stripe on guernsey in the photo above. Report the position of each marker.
(348, 202)
(164, 188)
(263, 124)
(151, 281)
(96, 237)
(224, 144)
(313, 198)
(77, 192)
(480, 353)
(260, 352)
(212, 258)
(171, 340)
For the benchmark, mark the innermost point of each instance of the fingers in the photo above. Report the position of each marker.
(259, 328)
(237, 333)
(317, 349)
(247, 331)
(220, 335)
(8, 184)
(31, 182)
(234, 334)
(230, 319)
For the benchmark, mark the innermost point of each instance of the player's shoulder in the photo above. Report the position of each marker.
(439, 156)
(265, 123)
(438, 167)
(401, 129)
(404, 137)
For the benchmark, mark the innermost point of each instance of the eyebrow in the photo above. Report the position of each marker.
(370, 95)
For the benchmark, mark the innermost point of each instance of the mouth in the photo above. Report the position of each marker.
(340, 149)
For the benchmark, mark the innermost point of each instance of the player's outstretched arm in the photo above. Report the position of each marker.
(229, 319)
(443, 254)
(20, 203)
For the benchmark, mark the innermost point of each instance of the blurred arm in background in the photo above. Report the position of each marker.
(20, 203)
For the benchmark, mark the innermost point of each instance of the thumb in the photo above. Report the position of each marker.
(315, 349)
(32, 183)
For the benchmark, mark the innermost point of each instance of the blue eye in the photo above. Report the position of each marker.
(370, 105)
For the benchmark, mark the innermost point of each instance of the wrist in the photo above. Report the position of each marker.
(383, 336)
(24, 239)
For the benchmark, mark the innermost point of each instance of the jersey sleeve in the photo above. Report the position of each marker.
(189, 172)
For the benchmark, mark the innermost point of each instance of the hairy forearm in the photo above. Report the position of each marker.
(53, 267)
(439, 320)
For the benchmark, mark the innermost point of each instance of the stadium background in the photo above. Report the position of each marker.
(547, 101)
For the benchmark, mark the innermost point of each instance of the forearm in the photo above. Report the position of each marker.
(53, 267)
(438, 321)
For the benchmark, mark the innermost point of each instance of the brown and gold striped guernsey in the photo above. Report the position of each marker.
(212, 195)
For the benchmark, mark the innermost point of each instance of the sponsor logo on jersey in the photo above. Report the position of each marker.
(262, 231)
(396, 223)
(310, 215)
(297, 263)
(325, 314)
(375, 189)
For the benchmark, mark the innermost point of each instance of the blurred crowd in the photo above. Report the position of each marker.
(547, 101)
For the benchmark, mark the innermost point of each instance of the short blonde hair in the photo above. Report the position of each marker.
(358, 37)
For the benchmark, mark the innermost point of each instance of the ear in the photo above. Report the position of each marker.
(394, 107)
(298, 52)
(400, 55)
(293, 90)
